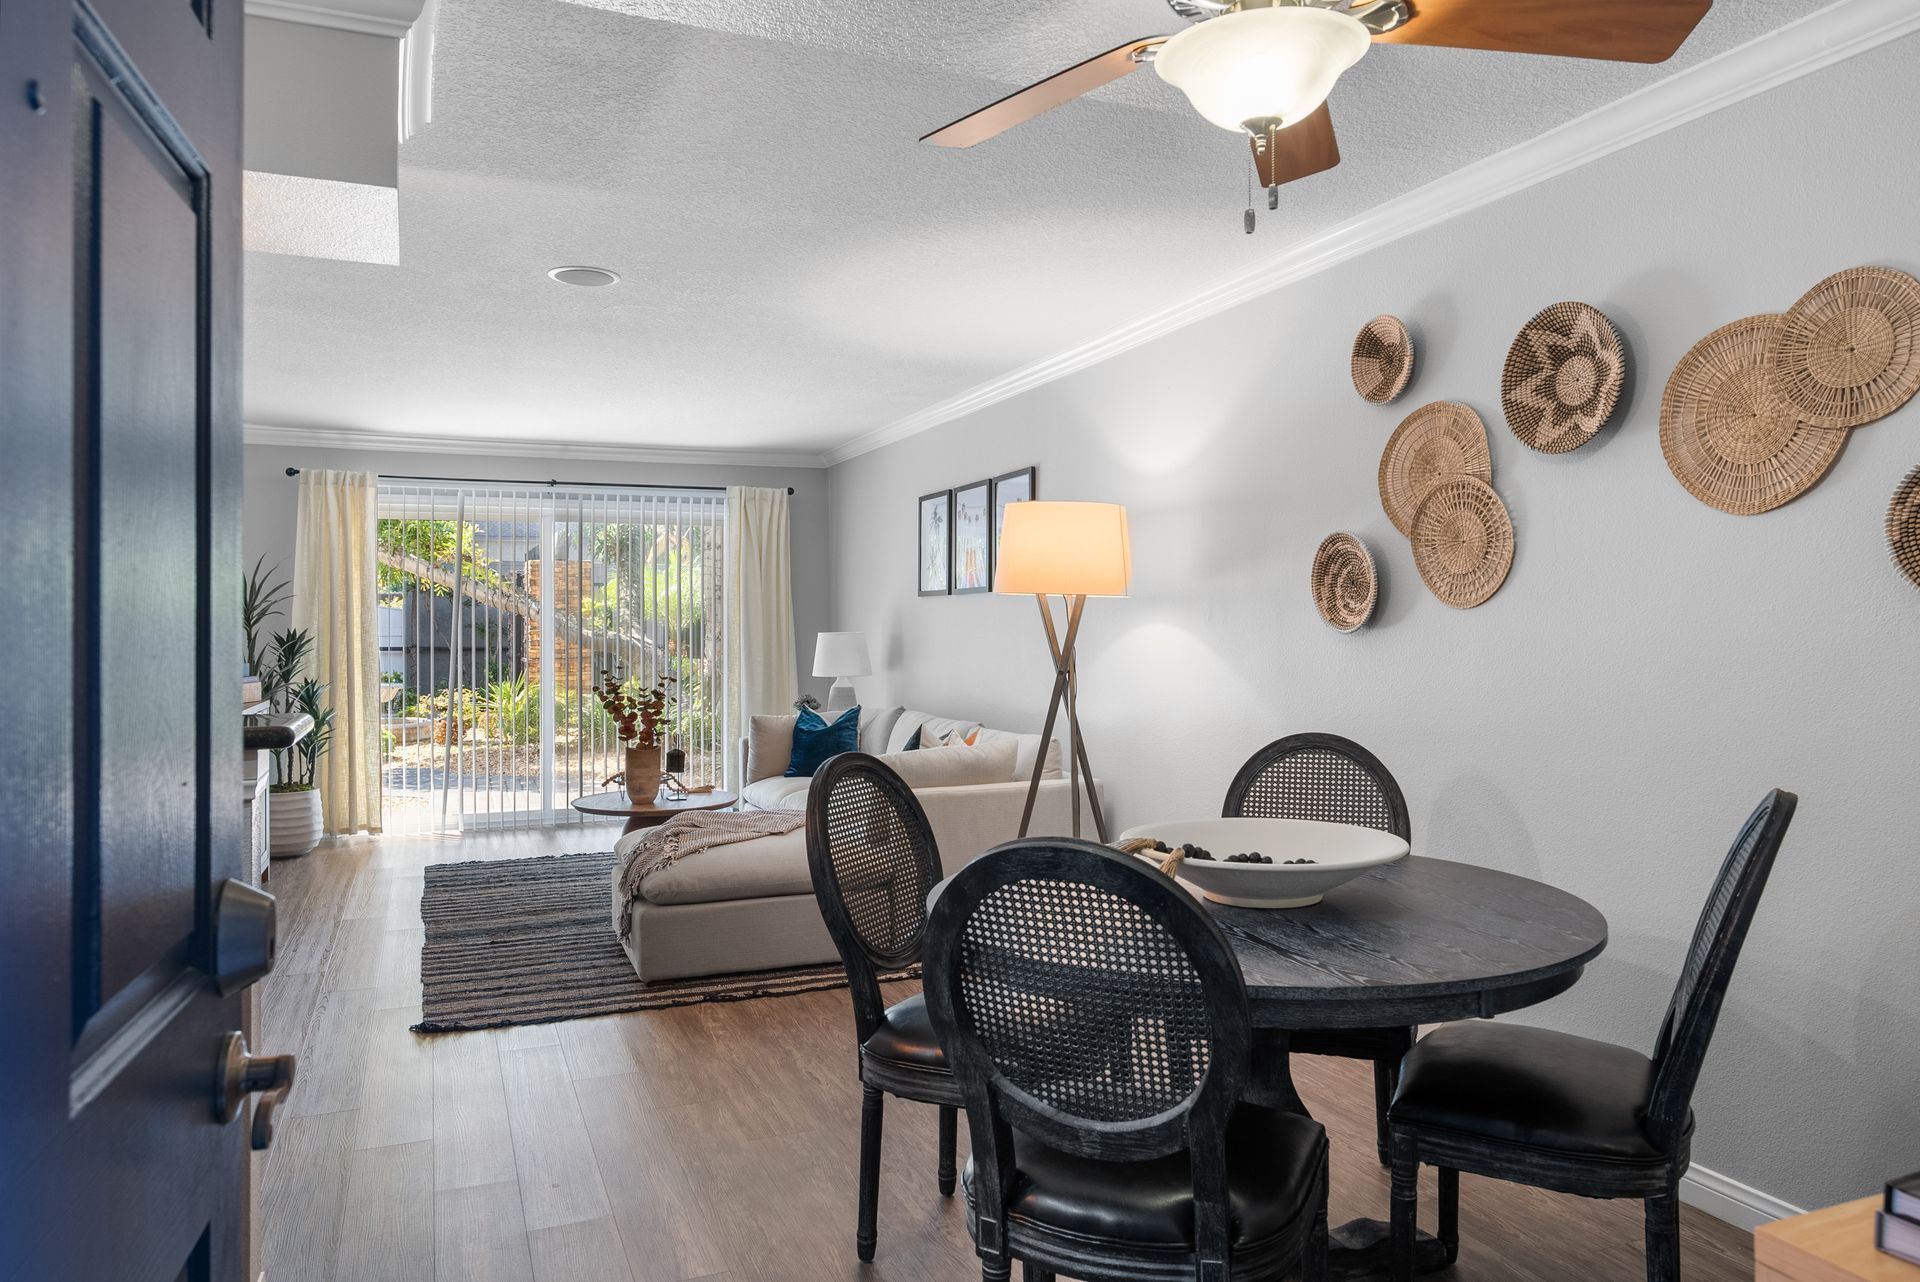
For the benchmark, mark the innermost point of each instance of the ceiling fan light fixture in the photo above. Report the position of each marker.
(1255, 69)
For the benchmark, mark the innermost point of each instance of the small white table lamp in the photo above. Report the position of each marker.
(841, 655)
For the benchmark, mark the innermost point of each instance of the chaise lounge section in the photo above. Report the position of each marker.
(749, 906)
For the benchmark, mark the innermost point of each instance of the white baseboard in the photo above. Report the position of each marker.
(1728, 1199)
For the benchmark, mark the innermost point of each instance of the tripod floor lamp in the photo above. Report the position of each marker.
(1072, 551)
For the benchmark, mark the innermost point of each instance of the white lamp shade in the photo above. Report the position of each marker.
(841, 654)
(1065, 549)
(1262, 64)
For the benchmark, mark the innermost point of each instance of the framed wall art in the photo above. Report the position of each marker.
(973, 538)
(1010, 487)
(936, 543)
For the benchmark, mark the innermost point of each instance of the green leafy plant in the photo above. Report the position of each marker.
(260, 599)
(309, 696)
(513, 707)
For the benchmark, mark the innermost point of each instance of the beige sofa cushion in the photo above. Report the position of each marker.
(769, 746)
(777, 793)
(753, 869)
(1026, 746)
(953, 767)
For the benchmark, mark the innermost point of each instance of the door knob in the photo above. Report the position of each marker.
(241, 1074)
(244, 930)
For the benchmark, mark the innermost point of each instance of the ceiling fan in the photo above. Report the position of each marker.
(1265, 67)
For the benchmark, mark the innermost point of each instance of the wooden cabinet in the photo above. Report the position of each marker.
(1834, 1245)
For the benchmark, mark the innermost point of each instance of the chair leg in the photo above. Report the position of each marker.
(995, 1270)
(1031, 1272)
(1405, 1203)
(872, 1111)
(1385, 1077)
(1313, 1256)
(1663, 1236)
(1450, 1212)
(949, 1125)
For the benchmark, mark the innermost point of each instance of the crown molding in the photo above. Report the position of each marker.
(1806, 45)
(339, 18)
(329, 439)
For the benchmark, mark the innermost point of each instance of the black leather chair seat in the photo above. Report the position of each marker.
(905, 1036)
(1272, 1160)
(1529, 1086)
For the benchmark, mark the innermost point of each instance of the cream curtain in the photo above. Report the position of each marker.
(761, 674)
(335, 597)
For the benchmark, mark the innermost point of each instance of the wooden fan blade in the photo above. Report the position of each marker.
(1062, 86)
(1616, 30)
(1298, 150)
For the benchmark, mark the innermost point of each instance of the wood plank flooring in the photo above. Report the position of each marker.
(715, 1141)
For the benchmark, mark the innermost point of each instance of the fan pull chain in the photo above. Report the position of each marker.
(1249, 220)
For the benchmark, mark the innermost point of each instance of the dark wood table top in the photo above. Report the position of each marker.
(618, 803)
(1418, 941)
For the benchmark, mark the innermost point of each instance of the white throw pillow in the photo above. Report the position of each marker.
(953, 767)
(769, 745)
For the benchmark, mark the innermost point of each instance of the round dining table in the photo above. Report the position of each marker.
(1418, 941)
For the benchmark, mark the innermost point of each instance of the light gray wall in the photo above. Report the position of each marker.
(322, 103)
(1651, 667)
(271, 501)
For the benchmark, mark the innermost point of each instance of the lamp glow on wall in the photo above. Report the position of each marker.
(841, 655)
(1072, 551)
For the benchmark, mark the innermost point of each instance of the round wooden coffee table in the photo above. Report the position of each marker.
(650, 814)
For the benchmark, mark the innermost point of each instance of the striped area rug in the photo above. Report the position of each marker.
(529, 941)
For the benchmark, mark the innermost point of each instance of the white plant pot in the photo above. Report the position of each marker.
(293, 823)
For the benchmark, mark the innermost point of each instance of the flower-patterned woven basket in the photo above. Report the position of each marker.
(1563, 377)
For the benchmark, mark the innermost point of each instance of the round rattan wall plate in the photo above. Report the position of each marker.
(1463, 541)
(1345, 585)
(1903, 527)
(1382, 359)
(1727, 438)
(1563, 377)
(1435, 443)
(1850, 350)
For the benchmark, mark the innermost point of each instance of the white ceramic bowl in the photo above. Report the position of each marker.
(1340, 853)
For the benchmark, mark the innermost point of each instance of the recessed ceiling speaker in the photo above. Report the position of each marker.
(586, 277)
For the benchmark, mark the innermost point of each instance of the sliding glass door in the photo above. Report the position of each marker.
(503, 606)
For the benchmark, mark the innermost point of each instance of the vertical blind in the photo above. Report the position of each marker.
(503, 606)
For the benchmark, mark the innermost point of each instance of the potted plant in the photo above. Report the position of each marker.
(640, 719)
(293, 813)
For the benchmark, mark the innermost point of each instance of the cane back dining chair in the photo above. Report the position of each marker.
(873, 860)
(1097, 1021)
(1573, 1115)
(1334, 780)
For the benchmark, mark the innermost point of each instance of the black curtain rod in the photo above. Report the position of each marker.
(487, 480)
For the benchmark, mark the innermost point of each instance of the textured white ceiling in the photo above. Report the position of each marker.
(798, 269)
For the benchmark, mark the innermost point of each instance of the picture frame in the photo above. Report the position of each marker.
(972, 538)
(1009, 487)
(934, 573)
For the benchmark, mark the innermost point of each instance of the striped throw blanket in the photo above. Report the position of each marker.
(639, 855)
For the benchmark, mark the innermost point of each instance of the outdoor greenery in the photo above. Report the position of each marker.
(450, 544)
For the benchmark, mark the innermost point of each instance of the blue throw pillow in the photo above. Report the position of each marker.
(814, 740)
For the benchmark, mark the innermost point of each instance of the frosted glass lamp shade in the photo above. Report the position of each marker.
(1064, 549)
(1275, 66)
(841, 654)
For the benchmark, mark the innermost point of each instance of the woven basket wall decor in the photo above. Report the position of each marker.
(1727, 438)
(1903, 527)
(1435, 443)
(1345, 584)
(1563, 377)
(1849, 352)
(1463, 541)
(1382, 359)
